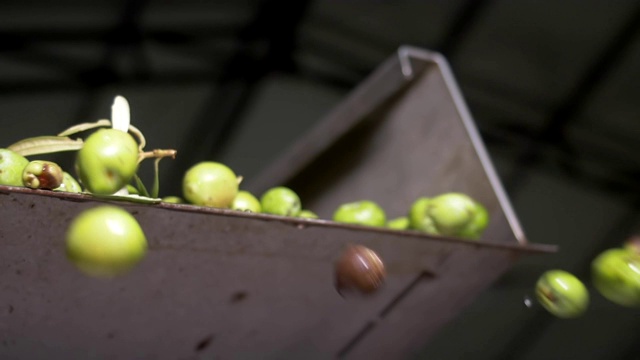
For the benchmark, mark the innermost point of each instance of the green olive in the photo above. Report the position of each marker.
(362, 212)
(105, 241)
(132, 190)
(69, 184)
(477, 225)
(172, 200)
(616, 275)
(400, 223)
(307, 214)
(107, 161)
(245, 201)
(419, 218)
(562, 294)
(211, 184)
(451, 212)
(40, 174)
(11, 166)
(281, 201)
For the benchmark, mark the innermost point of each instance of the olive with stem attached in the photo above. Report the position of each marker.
(107, 161)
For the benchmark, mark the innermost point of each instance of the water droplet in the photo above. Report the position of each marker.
(528, 302)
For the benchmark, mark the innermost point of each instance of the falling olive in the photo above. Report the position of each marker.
(359, 268)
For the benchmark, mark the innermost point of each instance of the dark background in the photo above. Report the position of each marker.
(552, 85)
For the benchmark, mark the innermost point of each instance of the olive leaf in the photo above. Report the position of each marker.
(85, 126)
(45, 145)
(140, 185)
(120, 114)
(156, 179)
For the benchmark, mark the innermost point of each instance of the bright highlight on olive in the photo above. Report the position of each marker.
(562, 294)
(210, 183)
(105, 241)
(616, 276)
(107, 161)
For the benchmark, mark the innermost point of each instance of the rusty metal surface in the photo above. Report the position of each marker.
(231, 285)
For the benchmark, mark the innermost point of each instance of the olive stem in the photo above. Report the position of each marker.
(157, 153)
(135, 131)
(140, 185)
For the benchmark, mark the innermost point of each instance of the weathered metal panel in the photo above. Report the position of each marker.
(232, 285)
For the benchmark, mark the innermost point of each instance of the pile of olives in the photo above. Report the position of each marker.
(107, 241)
(106, 165)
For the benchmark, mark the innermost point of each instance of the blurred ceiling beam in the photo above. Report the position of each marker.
(266, 45)
(558, 120)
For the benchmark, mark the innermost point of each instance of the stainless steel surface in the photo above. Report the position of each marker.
(243, 286)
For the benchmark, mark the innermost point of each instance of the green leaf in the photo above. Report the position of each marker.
(156, 180)
(85, 126)
(45, 145)
(120, 114)
(140, 186)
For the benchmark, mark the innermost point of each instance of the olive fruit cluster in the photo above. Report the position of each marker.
(449, 214)
(104, 241)
(213, 184)
(17, 170)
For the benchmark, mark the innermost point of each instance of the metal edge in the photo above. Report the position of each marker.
(361, 95)
(406, 53)
(291, 221)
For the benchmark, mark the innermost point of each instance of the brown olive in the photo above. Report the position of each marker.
(359, 268)
(40, 174)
